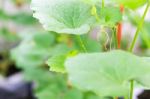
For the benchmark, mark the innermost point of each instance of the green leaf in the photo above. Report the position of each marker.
(145, 35)
(23, 18)
(44, 39)
(61, 49)
(96, 46)
(107, 74)
(109, 15)
(145, 80)
(3, 15)
(64, 16)
(8, 35)
(27, 55)
(88, 42)
(56, 63)
(133, 4)
(73, 94)
(58, 56)
(90, 95)
(32, 52)
(30, 56)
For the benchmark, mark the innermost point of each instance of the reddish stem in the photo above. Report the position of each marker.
(121, 8)
(119, 34)
(119, 29)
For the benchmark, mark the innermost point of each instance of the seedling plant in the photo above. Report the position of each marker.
(104, 70)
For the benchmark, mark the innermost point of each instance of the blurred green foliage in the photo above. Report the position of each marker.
(37, 49)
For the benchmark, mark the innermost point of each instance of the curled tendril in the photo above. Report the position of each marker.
(108, 39)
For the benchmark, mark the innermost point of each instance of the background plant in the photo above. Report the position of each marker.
(82, 45)
(53, 13)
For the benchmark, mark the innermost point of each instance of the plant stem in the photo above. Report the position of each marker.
(133, 44)
(144, 33)
(82, 43)
(115, 37)
(103, 3)
(119, 35)
(139, 27)
(126, 97)
(131, 88)
(119, 29)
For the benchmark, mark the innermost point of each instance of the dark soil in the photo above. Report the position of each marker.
(145, 95)
(12, 69)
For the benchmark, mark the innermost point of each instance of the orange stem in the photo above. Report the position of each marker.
(121, 8)
(119, 34)
(119, 29)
